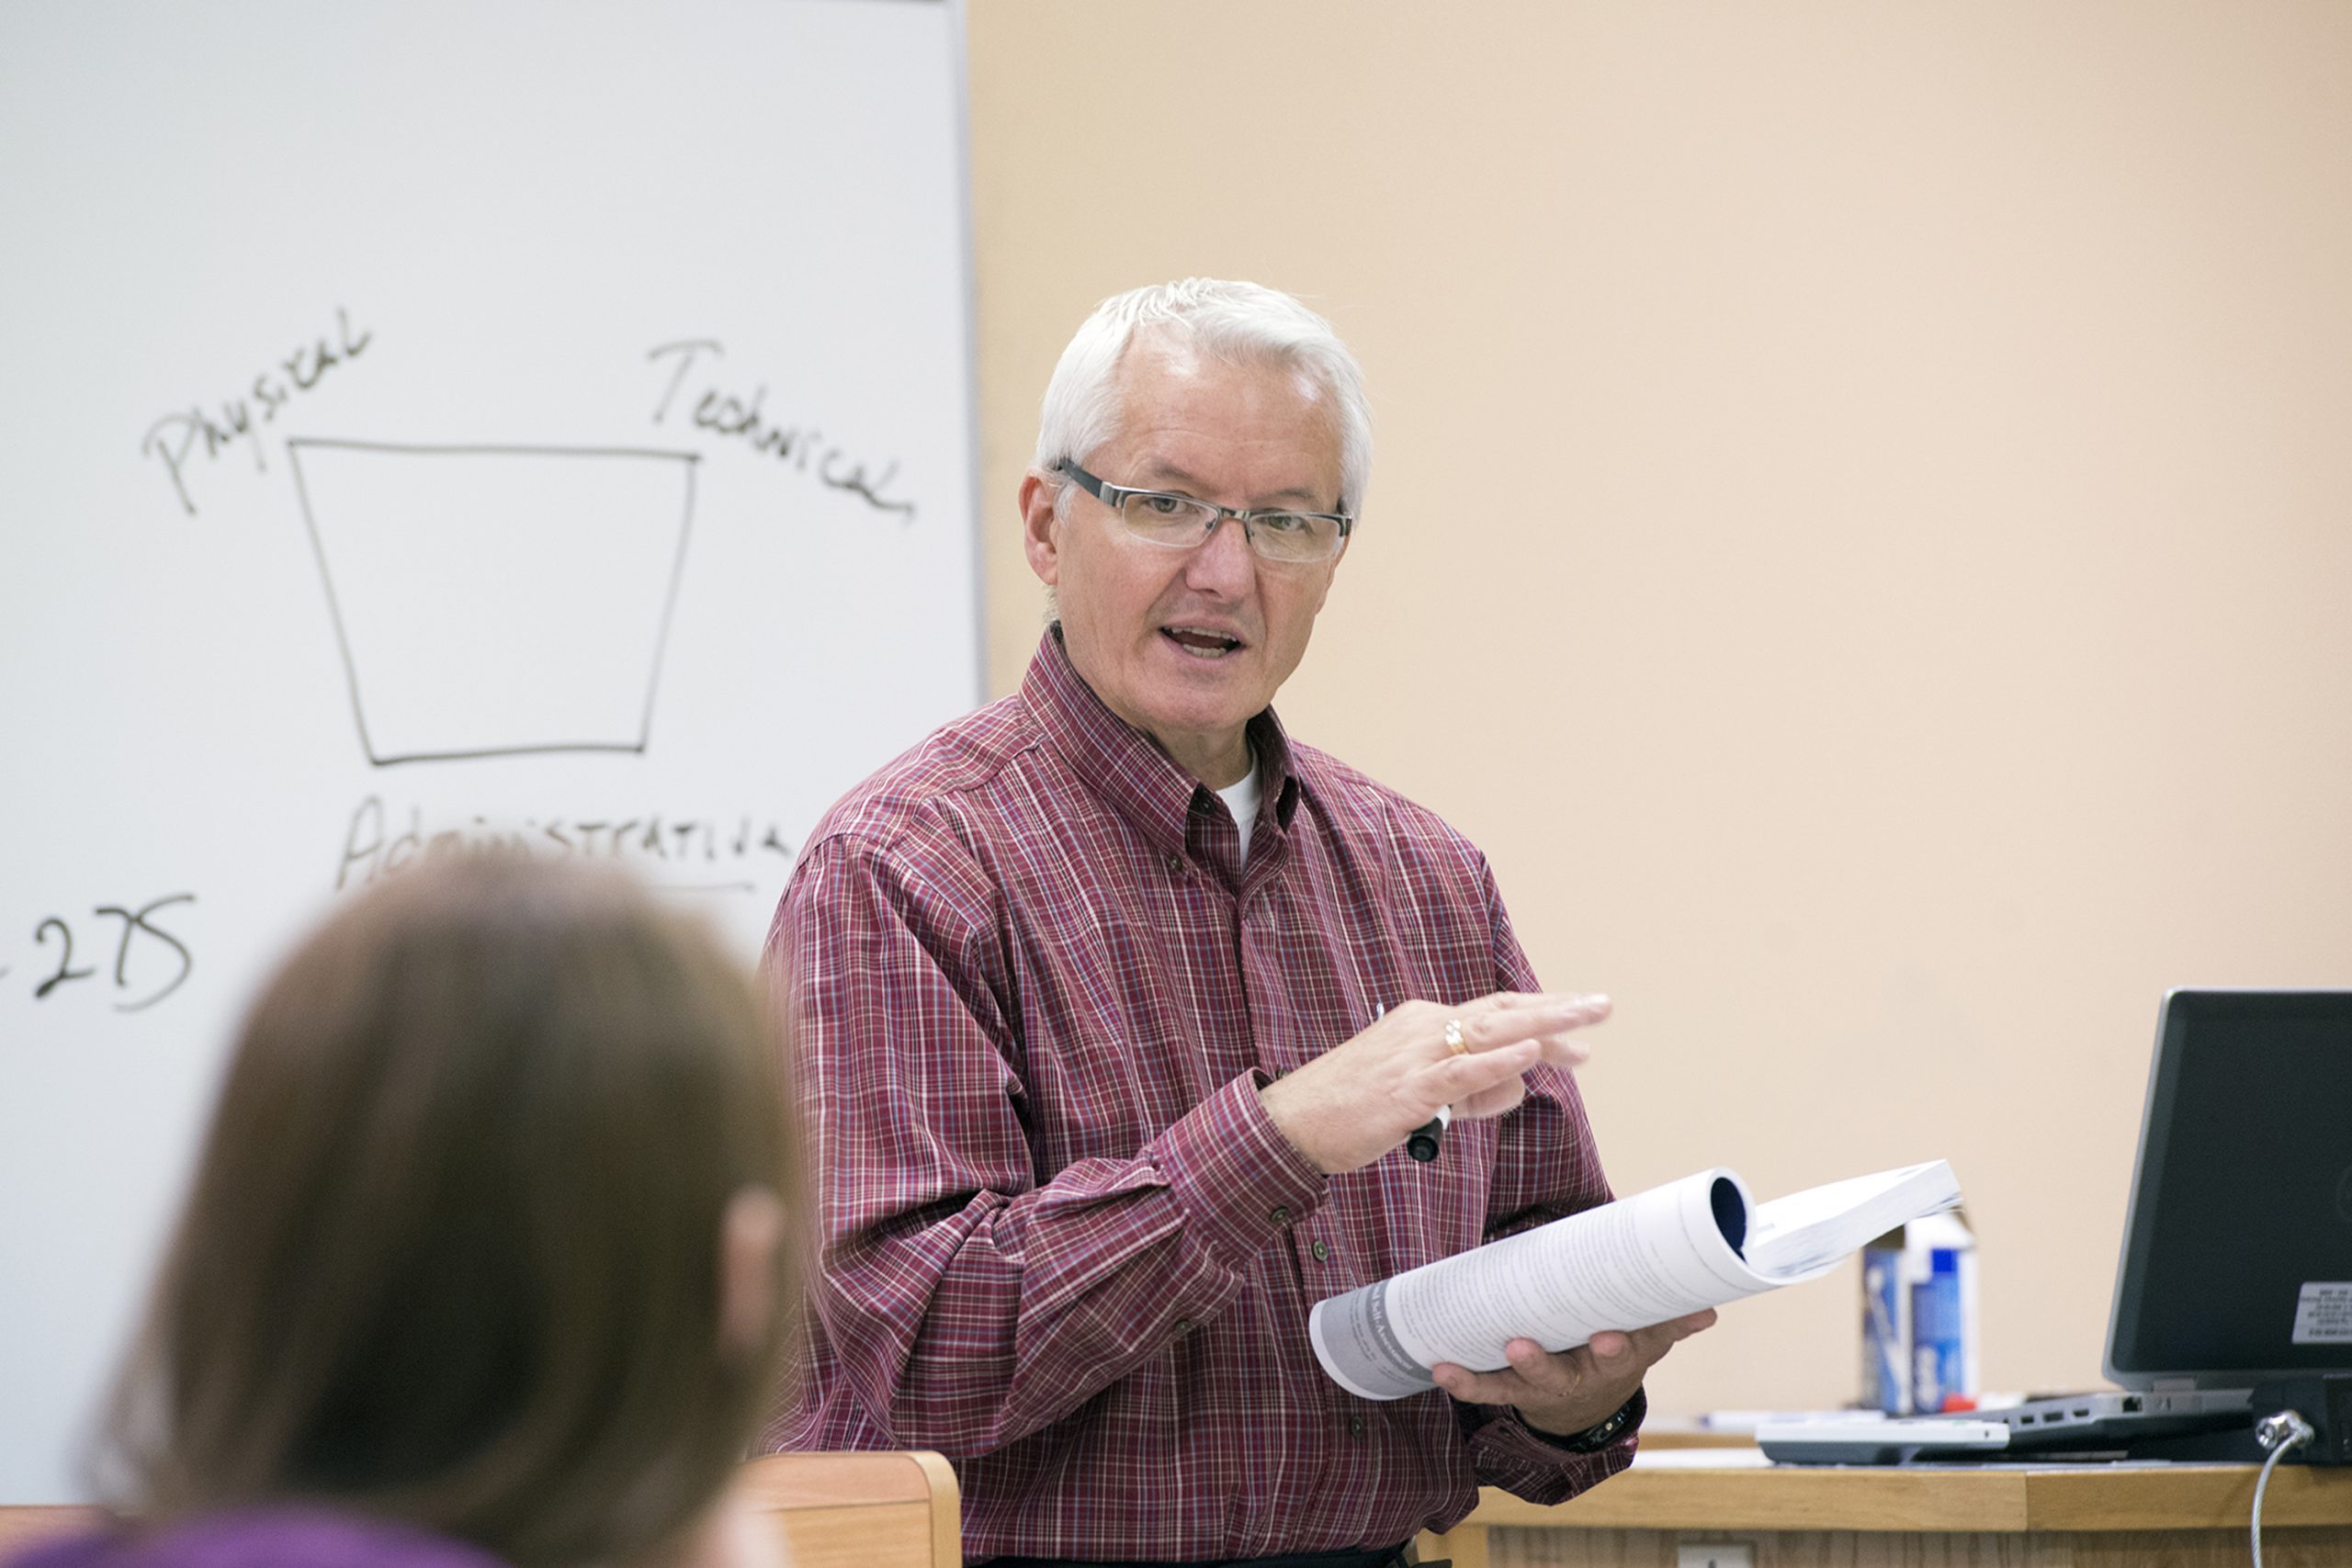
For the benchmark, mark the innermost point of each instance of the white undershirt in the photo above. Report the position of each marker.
(1241, 799)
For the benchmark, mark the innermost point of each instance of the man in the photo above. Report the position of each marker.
(1116, 1006)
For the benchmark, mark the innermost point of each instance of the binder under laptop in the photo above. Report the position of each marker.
(2233, 1295)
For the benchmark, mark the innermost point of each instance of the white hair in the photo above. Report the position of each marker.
(1230, 321)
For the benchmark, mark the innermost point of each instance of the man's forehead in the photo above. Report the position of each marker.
(1186, 414)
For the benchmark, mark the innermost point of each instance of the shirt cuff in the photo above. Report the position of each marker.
(1238, 1180)
(1510, 1454)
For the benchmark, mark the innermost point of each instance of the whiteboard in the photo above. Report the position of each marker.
(431, 427)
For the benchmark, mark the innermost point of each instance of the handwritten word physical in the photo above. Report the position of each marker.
(53, 943)
(177, 439)
(745, 420)
(691, 845)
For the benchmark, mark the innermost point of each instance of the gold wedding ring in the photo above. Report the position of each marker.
(1453, 1041)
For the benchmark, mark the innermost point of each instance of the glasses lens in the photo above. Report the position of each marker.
(1295, 536)
(1167, 519)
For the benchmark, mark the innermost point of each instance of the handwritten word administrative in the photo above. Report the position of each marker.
(707, 853)
(179, 439)
(745, 420)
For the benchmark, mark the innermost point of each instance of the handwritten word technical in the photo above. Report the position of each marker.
(744, 419)
(176, 439)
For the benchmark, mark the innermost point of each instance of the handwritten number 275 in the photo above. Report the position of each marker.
(134, 923)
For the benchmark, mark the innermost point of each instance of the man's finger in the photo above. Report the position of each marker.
(1528, 1018)
(1660, 1337)
(1503, 1387)
(1461, 1080)
(1592, 1002)
(1553, 1377)
(1675, 1329)
(1565, 1050)
(1487, 1102)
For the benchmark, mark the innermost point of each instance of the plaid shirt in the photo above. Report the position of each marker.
(1036, 998)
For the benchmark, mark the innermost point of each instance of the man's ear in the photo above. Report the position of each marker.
(1041, 524)
(1331, 572)
(750, 1230)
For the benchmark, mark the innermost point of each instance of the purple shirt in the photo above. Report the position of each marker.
(272, 1538)
(1062, 1243)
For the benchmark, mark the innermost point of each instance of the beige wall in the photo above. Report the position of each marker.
(1859, 533)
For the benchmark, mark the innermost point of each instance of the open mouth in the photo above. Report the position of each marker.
(1201, 644)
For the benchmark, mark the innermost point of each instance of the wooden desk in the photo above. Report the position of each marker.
(2013, 1516)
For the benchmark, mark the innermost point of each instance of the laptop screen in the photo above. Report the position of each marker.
(2237, 1246)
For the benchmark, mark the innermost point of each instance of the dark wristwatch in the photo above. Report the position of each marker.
(1592, 1440)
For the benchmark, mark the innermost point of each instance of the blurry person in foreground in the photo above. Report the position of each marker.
(483, 1262)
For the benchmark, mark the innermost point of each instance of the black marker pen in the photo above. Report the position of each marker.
(1423, 1143)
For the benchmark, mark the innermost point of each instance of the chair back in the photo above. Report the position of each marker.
(868, 1510)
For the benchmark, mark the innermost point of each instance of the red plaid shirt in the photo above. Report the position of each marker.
(1061, 1242)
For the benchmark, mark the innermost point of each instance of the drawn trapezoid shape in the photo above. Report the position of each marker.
(495, 601)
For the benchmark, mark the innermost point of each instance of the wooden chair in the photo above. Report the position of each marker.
(875, 1510)
(20, 1525)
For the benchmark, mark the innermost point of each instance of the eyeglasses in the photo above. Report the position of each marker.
(1181, 521)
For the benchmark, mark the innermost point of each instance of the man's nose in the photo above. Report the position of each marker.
(1223, 563)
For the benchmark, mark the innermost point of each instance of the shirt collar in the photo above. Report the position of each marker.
(1126, 767)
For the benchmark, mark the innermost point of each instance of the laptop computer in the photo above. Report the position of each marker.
(2236, 1267)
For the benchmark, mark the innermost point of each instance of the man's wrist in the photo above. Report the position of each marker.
(1239, 1181)
(1601, 1434)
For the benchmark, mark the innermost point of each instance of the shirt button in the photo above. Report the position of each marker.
(1279, 1214)
(1175, 865)
(1183, 1326)
(1355, 1426)
(1322, 1253)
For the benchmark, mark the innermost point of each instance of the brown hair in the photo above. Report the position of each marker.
(452, 1252)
